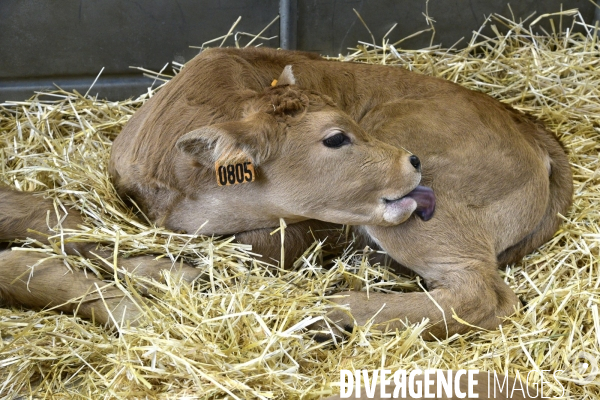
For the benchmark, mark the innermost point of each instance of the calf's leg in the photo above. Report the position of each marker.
(297, 238)
(458, 263)
(27, 215)
(36, 281)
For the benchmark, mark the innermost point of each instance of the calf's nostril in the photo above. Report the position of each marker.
(415, 162)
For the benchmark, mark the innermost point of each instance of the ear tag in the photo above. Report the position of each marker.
(234, 169)
(274, 83)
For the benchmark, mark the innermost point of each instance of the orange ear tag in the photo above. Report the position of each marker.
(274, 83)
(232, 170)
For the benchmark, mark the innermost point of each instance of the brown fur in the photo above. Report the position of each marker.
(500, 178)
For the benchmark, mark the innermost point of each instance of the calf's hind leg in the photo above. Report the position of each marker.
(34, 280)
(458, 265)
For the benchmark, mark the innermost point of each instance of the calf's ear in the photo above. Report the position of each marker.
(231, 141)
(287, 77)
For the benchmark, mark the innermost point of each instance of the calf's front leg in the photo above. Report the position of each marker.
(34, 280)
(297, 238)
(28, 215)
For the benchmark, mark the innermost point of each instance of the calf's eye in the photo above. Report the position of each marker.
(336, 141)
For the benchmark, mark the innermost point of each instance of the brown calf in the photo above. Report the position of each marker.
(334, 142)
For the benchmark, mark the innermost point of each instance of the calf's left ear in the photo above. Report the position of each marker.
(287, 77)
(231, 141)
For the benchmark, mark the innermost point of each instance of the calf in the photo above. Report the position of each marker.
(220, 150)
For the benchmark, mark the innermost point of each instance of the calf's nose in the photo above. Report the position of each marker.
(415, 162)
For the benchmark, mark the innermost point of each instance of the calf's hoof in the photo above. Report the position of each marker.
(340, 321)
(337, 325)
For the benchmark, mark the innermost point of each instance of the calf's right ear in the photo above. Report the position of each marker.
(232, 141)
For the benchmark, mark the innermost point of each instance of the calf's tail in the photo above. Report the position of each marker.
(559, 200)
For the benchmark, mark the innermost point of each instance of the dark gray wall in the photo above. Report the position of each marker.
(67, 42)
(331, 27)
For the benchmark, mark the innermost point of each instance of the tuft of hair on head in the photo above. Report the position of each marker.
(282, 102)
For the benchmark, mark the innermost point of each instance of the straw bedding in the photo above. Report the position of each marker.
(241, 334)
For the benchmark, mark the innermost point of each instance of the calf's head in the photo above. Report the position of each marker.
(313, 161)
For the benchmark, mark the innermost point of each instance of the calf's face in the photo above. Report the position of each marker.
(328, 168)
(313, 161)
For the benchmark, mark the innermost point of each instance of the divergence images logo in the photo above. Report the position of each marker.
(585, 368)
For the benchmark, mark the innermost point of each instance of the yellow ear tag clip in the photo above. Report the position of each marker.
(274, 83)
(233, 170)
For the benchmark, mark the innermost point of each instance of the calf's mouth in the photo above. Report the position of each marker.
(422, 196)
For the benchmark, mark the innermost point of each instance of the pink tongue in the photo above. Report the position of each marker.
(425, 202)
